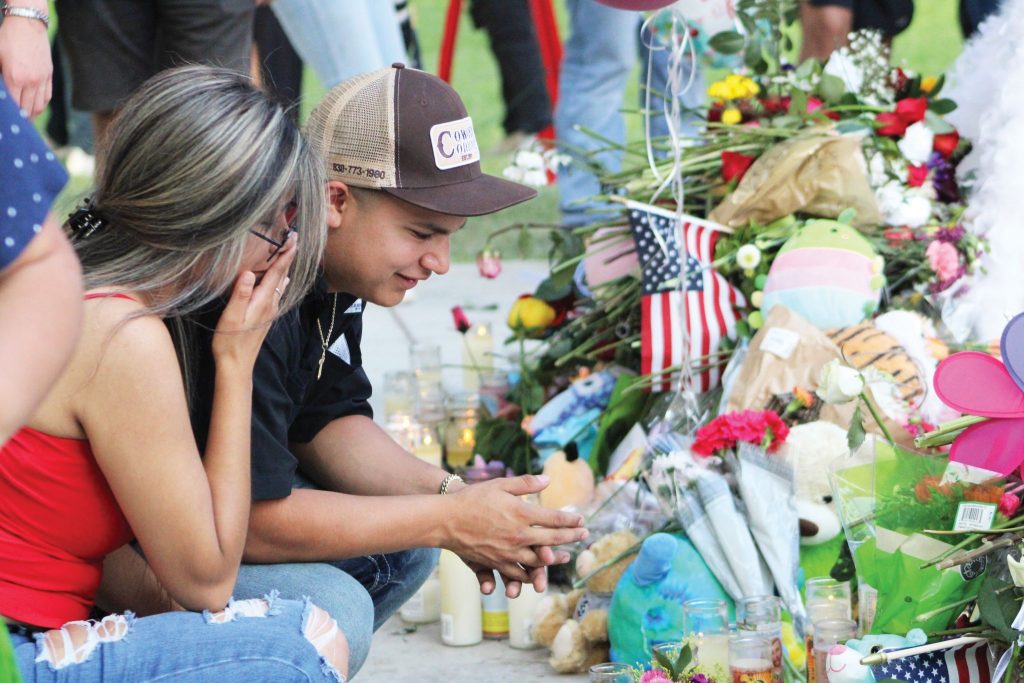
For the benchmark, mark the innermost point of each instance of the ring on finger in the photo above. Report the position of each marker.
(278, 290)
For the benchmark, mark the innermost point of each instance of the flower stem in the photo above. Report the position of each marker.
(877, 417)
(946, 432)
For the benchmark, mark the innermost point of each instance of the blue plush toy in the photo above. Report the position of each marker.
(843, 662)
(647, 607)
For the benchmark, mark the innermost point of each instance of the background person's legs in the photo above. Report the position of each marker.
(598, 58)
(826, 26)
(339, 39)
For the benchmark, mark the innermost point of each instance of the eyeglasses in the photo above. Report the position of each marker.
(290, 213)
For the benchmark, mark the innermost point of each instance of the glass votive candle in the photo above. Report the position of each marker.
(399, 389)
(750, 660)
(425, 358)
(706, 627)
(761, 616)
(827, 634)
(611, 672)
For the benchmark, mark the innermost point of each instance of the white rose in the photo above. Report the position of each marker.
(917, 142)
(839, 383)
(904, 206)
(1016, 571)
(748, 257)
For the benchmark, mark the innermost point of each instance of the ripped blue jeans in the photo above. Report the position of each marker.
(251, 640)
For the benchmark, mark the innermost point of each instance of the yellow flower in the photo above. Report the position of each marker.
(928, 83)
(731, 116)
(718, 90)
(530, 313)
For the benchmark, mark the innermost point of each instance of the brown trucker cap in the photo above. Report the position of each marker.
(407, 133)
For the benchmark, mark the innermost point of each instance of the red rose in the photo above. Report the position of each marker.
(946, 143)
(775, 104)
(460, 319)
(912, 109)
(898, 234)
(916, 175)
(892, 124)
(735, 165)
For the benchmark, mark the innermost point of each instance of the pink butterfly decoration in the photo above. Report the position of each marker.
(977, 384)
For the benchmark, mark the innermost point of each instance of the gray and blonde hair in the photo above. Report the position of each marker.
(194, 159)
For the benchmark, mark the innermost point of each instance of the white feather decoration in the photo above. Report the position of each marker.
(987, 82)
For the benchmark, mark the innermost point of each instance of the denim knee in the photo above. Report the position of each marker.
(351, 606)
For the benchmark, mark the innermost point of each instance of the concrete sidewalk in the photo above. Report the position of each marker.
(426, 314)
(401, 655)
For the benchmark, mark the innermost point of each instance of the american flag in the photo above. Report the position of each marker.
(705, 304)
(964, 664)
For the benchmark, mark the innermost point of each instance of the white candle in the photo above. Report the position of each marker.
(477, 347)
(520, 618)
(425, 606)
(711, 652)
(461, 608)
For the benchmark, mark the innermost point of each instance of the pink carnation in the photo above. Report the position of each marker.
(944, 260)
(655, 676)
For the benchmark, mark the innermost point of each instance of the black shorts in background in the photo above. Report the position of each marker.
(888, 16)
(115, 45)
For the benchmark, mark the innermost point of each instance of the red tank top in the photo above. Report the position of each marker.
(58, 520)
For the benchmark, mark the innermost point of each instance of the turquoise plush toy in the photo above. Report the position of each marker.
(647, 607)
(842, 665)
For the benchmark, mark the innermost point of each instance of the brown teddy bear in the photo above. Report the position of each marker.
(575, 625)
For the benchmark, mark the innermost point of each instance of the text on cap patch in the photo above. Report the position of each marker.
(454, 144)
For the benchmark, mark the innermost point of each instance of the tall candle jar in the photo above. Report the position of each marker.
(520, 618)
(761, 616)
(750, 660)
(827, 634)
(706, 628)
(461, 608)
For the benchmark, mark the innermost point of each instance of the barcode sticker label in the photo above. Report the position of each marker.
(974, 516)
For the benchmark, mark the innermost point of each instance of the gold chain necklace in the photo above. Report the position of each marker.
(324, 340)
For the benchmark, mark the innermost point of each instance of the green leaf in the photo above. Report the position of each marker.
(556, 287)
(997, 609)
(727, 42)
(831, 88)
(683, 660)
(942, 106)
(855, 436)
(936, 123)
(663, 661)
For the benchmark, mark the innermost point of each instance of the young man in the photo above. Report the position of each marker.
(340, 512)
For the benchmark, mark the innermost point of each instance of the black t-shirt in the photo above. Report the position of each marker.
(289, 403)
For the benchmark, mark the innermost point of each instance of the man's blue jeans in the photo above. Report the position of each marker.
(361, 593)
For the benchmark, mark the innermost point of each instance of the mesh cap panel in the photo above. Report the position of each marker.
(353, 130)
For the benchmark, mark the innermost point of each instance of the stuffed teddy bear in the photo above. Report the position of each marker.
(811, 448)
(842, 664)
(575, 626)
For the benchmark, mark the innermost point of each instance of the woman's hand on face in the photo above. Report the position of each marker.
(251, 309)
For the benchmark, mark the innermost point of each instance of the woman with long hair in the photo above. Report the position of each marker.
(202, 189)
